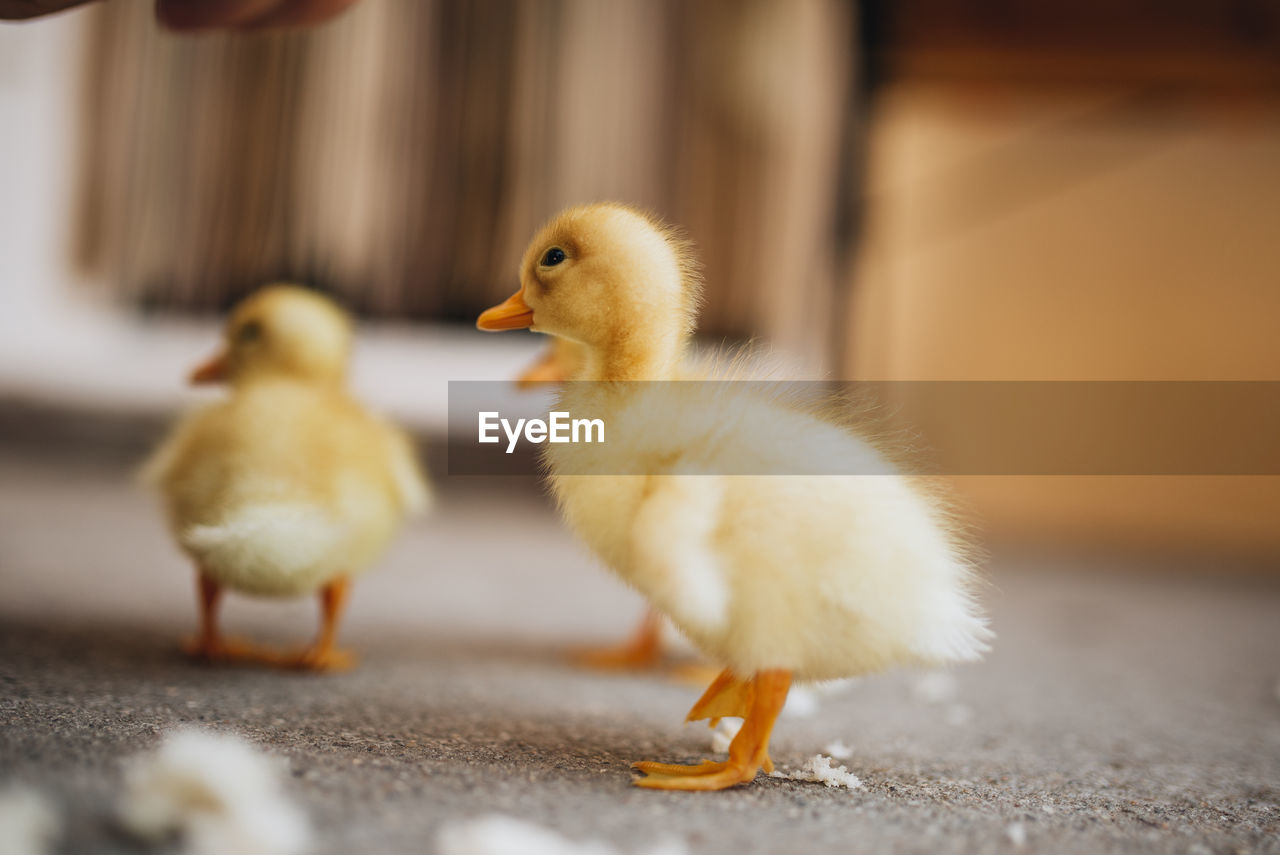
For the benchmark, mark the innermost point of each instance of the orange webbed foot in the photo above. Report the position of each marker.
(758, 700)
(318, 658)
(323, 655)
(707, 775)
(643, 651)
(219, 649)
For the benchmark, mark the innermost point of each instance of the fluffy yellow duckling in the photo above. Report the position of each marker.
(564, 359)
(777, 577)
(288, 486)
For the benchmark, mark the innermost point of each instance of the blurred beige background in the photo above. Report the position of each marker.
(1081, 192)
(913, 190)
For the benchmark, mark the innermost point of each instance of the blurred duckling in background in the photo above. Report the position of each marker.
(564, 359)
(288, 486)
(776, 577)
(561, 360)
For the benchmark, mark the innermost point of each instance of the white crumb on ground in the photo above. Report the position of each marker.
(28, 822)
(219, 793)
(496, 834)
(936, 687)
(802, 702)
(1017, 834)
(821, 769)
(723, 734)
(839, 750)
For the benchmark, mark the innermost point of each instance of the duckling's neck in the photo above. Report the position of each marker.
(631, 358)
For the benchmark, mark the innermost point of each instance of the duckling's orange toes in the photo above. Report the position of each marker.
(210, 645)
(642, 651)
(324, 654)
(678, 769)
(318, 658)
(763, 697)
(707, 775)
(219, 649)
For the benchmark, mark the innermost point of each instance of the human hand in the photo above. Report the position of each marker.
(196, 15)
(190, 15)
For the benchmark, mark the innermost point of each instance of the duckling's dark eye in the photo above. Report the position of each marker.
(249, 332)
(553, 256)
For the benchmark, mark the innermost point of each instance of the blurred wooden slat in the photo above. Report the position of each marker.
(402, 155)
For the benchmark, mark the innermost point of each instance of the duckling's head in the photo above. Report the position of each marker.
(282, 331)
(609, 277)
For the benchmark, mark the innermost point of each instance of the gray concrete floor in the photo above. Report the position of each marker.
(1123, 709)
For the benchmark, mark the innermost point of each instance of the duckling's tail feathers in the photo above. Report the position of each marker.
(956, 632)
(278, 540)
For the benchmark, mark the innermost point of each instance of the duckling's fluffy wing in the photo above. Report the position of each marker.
(722, 515)
(407, 474)
(159, 466)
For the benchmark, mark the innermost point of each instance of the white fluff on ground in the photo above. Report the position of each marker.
(936, 687)
(220, 794)
(839, 750)
(506, 835)
(28, 822)
(802, 702)
(723, 733)
(821, 769)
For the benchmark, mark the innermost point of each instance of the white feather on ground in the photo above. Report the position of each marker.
(935, 687)
(1017, 834)
(821, 769)
(28, 822)
(723, 733)
(496, 834)
(220, 794)
(802, 702)
(839, 750)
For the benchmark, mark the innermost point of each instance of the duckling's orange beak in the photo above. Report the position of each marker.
(514, 314)
(211, 371)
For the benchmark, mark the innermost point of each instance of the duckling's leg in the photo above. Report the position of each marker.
(758, 700)
(323, 655)
(642, 650)
(210, 644)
